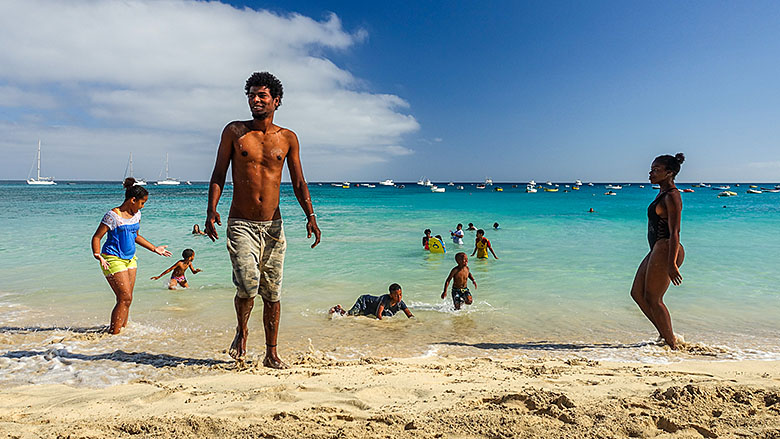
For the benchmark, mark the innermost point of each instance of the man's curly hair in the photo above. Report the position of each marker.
(265, 79)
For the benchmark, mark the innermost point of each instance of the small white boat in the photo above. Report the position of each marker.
(641, 186)
(614, 186)
(427, 183)
(722, 188)
(169, 181)
(38, 180)
(488, 181)
(480, 186)
(530, 189)
(610, 193)
(773, 191)
(531, 183)
(345, 185)
(387, 182)
(421, 181)
(450, 184)
(727, 194)
(336, 184)
(437, 189)
(578, 182)
(590, 184)
(460, 188)
(549, 183)
(753, 191)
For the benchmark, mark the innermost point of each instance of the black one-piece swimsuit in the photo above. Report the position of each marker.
(657, 227)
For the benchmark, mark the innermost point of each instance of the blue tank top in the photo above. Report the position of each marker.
(120, 239)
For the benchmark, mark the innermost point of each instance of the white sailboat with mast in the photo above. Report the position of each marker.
(138, 181)
(169, 181)
(38, 180)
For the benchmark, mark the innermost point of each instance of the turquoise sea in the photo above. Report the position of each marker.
(560, 287)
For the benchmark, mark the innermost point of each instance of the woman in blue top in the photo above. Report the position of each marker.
(117, 257)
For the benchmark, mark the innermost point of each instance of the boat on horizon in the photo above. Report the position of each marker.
(129, 167)
(437, 189)
(614, 186)
(387, 182)
(169, 181)
(480, 186)
(488, 181)
(38, 180)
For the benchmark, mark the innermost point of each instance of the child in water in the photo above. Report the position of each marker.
(179, 269)
(482, 245)
(460, 276)
(377, 306)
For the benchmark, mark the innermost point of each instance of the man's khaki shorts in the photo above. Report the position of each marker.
(257, 252)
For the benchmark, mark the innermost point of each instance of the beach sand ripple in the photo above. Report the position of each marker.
(415, 398)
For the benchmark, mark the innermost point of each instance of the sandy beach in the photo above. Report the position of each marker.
(421, 397)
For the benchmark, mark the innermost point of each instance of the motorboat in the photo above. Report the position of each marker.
(722, 188)
(38, 180)
(488, 181)
(687, 190)
(530, 189)
(387, 182)
(499, 189)
(727, 194)
(437, 189)
(169, 181)
(610, 193)
(480, 186)
(753, 191)
(613, 186)
(551, 189)
(578, 182)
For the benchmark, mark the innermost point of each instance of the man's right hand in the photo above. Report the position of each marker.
(444, 294)
(211, 231)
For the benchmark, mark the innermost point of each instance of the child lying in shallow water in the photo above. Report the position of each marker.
(377, 306)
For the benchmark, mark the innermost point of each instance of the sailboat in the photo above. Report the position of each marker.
(169, 181)
(138, 181)
(38, 180)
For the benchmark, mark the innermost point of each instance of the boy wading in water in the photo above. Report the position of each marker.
(460, 276)
(180, 269)
(256, 151)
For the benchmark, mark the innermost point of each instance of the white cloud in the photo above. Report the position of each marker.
(176, 68)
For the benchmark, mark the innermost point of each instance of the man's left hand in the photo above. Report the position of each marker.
(311, 227)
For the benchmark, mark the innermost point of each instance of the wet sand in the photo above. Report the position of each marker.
(421, 398)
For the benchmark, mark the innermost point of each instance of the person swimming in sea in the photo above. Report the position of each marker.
(662, 264)
(377, 306)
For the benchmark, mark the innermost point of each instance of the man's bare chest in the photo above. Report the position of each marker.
(268, 150)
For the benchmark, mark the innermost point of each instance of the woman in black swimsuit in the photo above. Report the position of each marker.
(661, 265)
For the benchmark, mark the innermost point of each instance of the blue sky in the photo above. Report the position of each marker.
(450, 90)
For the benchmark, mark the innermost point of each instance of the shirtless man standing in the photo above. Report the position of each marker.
(257, 150)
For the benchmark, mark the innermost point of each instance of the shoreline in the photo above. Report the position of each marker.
(415, 397)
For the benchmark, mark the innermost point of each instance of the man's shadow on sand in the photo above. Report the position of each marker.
(546, 345)
(145, 358)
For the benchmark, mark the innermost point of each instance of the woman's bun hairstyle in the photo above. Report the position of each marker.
(132, 190)
(671, 163)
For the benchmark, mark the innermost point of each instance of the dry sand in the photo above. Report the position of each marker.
(415, 398)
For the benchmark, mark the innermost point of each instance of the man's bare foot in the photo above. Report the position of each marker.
(274, 362)
(238, 348)
(337, 309)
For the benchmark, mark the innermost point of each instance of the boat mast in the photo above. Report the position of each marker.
(39, 159)
(166, 165)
